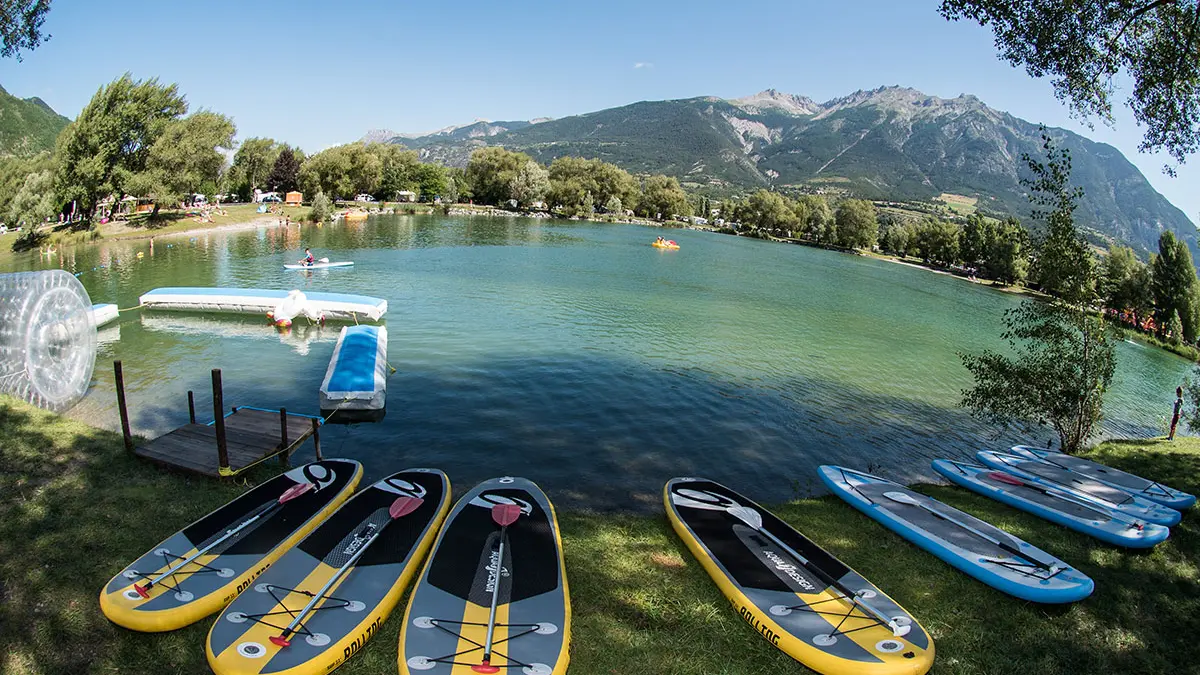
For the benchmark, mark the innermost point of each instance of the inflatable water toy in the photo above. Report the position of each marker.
(356, 378)
(665, 244)
(199, 569)
(104, 314)
(1142, 487)
(493, 597)
(356, 215)
(333, 306)
(1081, 487)
(795, 594)
(321, 602)
(959, 539)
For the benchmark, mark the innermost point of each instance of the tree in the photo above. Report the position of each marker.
(184, 157)
(1174, 331)
(769, 212)
(895, 237)
(400, 170)
(1064, 364)
(856, 224)
(975, 239)
(110, 141)
(21, 25)
(252, 164)
(937, 241)
(663, 198)
(456, 186)
(328, 171)
(285, 172)
(431, 181)
(1174, 280)
(573, 177)
(1124, 282)
(1064, 266)
(321, 208)
(490, 172)
(33, 203)
(614, 206)
(820, 225)
(1086, 46)
(529, 184)
(1007, 257)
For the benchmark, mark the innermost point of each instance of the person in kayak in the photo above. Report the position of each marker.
(308, 258)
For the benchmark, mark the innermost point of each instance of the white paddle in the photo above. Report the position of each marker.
(503, 515)
(1077, 499)
(754, 519)
(908, 499)
(399, 508)
(288, 495)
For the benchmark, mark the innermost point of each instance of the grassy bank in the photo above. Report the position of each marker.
(74, 509)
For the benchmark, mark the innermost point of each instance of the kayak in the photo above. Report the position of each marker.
(495, 579)
(199, 569)
(804, 601)
(349, 574)
(973, 546)
(1083, 488)
(317, 265)
(1057, 506)
(1142, 487)
(665, 245)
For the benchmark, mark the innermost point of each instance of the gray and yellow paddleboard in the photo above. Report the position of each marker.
(205, 584)
(789, 602)
(245, 639)
(445, 627)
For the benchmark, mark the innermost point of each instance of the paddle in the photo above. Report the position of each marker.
(753, 519)
(288, 495)
(503, 515)
(908, 499)
(1080, 500)
(399, 508)
(1100, 501)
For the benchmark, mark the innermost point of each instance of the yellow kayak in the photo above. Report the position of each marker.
(670, 245)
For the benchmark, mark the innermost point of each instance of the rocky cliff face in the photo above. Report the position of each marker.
(891, 142)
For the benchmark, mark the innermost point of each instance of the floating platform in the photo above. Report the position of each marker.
(334, 306)
(104, 313)
(355, 384)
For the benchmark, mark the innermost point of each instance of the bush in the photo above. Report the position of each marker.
(321, 208)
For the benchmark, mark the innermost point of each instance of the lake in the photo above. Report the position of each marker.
(577, 355)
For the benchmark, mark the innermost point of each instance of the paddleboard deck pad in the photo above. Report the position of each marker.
(793, 606)
(1057, 506)
(1089, 490)
(445, 627)
(351, 610)
(1134, 484)
(1032, 575)
(200, 585)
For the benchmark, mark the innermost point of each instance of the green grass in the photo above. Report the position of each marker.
(75, 509)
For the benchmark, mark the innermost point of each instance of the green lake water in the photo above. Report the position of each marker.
(577, 355)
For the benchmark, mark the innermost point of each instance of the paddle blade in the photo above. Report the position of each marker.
(404, 506)
(141, 590)
(747, 515)
(294, 491)
(505, 515)
(280, 641)
(485, 667)
(902, 498)
(1005, 478)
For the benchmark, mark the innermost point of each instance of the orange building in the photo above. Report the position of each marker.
(293, 198)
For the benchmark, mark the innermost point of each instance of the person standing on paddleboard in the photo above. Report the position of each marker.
(308, 258)
(1175, 414)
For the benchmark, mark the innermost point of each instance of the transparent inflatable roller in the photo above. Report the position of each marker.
(47, 338)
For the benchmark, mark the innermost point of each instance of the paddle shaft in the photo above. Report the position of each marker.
(1078, 500)
(320, 595)
(1003, 546)
(179, 565)
(1150, 484)
(851, 595)
(1079, 494)
(491, 627)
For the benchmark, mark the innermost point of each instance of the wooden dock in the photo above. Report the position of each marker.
(228, 444)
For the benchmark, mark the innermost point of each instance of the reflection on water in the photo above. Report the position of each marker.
(579, 356)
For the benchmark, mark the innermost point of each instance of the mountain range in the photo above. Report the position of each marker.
(891, 143)
(27, 126)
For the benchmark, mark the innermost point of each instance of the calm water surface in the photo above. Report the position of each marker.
(578, 356)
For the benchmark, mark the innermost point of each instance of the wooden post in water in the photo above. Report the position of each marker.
(219, 419)
(317, 438)
(191, 407)
(283, 456)
(120, 380)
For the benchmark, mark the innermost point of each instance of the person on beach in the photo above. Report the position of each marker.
(1175, 414)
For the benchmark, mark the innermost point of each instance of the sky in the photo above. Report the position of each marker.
(317, 74)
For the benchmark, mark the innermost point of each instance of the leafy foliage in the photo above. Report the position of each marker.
(21, 26)
(1085, 46)
(1064, 266)
(1064, 365)
(856, 224)
(491, 172)
(285, 172)
(662, 198)
(530, 184)
(321, 208)
(183, 159)
(252, 164)
(1174, 286)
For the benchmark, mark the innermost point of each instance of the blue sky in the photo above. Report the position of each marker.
(317, 74)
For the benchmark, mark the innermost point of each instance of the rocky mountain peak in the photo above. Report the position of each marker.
(772, 99)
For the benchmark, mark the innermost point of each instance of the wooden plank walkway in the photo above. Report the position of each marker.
(250, 435)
